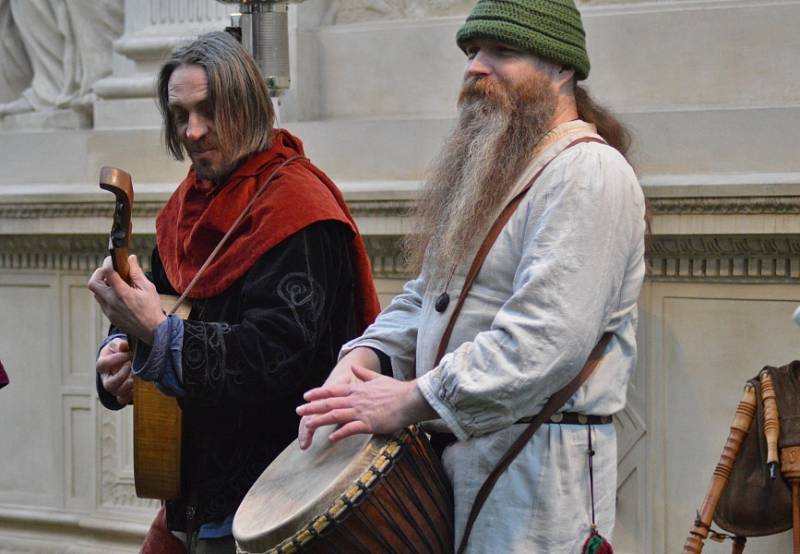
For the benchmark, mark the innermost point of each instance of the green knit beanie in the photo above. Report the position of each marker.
(551, 29)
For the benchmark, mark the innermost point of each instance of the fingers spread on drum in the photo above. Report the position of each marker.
(320, 393)
(325, 406)
(333, 417)
(352, 428)
(377, 405)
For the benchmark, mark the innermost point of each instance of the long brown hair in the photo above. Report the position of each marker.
(608, 126)
(615, 134)
(242, 110)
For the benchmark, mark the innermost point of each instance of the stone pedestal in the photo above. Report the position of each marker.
(49, 120)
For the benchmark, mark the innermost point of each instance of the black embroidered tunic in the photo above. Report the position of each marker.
(248, 356)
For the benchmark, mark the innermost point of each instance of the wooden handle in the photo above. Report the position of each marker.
(796, 517)
(772, 428)
(722, 473)
(120, 184)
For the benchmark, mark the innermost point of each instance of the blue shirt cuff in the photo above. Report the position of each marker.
(161, 362)
(216, 529)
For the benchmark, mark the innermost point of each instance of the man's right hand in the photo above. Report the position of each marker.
(341, 374)
(114, 367)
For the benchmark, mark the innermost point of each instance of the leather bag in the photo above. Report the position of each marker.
(752, 504)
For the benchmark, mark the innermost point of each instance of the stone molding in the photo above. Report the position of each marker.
(79, 253)
(731, 205)
(705, 257)
(734, 205)
(47, 210)
(731, 258)
(723, 258)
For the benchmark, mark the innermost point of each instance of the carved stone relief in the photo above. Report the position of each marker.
(15, 67)
(352, 11)
(67, 46)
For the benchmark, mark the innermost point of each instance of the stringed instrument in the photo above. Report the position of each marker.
(157, 418)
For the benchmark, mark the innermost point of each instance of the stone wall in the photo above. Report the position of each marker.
(374, 86)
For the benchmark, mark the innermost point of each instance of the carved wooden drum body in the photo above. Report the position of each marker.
(364, 494)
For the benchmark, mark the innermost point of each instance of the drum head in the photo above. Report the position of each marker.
(300, 485)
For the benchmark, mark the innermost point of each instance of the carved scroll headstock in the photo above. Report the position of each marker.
(120, 184)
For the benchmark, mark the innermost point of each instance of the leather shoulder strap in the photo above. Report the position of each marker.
(487, 244)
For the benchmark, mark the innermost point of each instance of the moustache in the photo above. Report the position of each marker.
(197, 147)
(485, 89)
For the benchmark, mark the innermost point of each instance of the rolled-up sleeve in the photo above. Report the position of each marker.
(580, 230)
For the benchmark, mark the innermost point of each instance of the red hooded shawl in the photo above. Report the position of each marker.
(197, 216)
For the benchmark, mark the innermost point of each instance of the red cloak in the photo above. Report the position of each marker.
(197, 216)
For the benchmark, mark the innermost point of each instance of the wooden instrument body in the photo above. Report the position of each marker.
(157, 428)
(157, 419)
(362, 494)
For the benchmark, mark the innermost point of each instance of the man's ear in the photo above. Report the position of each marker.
(565, 74)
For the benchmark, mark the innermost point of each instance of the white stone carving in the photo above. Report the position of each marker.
(15, 68)
(351, 11)
(68, 46)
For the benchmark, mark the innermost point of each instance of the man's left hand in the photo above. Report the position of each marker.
(377, 405)
(136, 309)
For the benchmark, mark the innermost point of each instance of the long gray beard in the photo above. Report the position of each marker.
(469, 180)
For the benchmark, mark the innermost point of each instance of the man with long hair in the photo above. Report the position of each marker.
(269, 313)
(565, 270)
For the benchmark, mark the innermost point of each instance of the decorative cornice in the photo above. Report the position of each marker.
(381, 208)
(51, 210)
(86, 252)
(735, 205)
(740, 258)
(81, 253)
(768, 258)
(386, 256)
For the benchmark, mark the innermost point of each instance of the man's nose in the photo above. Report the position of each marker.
(196, 127)
(479, 66)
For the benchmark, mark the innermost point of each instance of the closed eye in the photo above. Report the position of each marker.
(179, 114)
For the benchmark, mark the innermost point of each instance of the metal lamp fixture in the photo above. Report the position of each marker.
(265, 34)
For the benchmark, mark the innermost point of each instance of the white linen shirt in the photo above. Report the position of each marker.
(565, 269)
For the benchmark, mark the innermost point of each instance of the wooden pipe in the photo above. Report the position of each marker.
(772, 428)
(722, 473)
(790, 467)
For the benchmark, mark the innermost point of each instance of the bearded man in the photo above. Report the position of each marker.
(564, 271)
(269, 314)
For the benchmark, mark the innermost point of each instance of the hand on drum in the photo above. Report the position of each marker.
(114, 367)
(376, 405)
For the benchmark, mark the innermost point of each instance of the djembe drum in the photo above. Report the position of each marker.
(363, 494)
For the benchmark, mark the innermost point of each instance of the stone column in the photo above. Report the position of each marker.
(152, 29)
